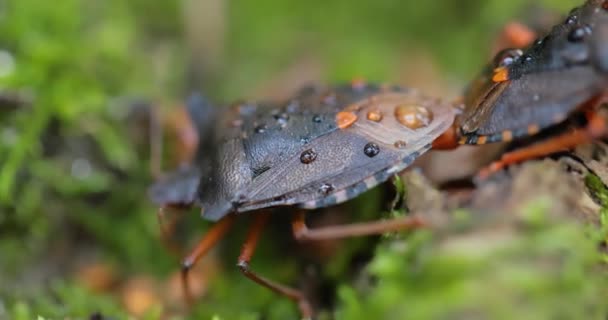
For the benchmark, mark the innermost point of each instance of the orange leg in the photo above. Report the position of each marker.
(245, 258)
(302, 233)
(215, 234)
(595, 129)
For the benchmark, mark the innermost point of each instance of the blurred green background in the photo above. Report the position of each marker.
(80, 79)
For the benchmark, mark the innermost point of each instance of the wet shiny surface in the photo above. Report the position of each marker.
(556, 75)
(413, 117)
(320, 147)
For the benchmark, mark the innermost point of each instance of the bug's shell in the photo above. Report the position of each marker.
(550, 80)
(320, 148)
(220, 132)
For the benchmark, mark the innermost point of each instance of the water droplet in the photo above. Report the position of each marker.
(507, 57)
(371, 149)
(413, 117)
(308, 156)
(260, 129)
(527, 58)
(326, 189)
(536, 97)
(304, 140)
(400, 144)
(317, 118)
(571, 19)
(374, 115)
(345, 119)
(282, 119)
(578, 34)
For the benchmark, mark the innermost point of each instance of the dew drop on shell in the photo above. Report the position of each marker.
(578, 34)
(400, 144)
(374, 115)
(308, 156)
(282, 119)
(507, 57)
(413, 116)
(326, 189)
(345, 119)
(571, 19)
(371, 149)
(260, 129)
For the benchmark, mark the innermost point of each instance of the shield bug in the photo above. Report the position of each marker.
(525, 92)
(320, 148)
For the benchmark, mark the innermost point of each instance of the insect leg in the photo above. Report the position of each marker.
(302, 233)
(210, 239)
(596, 128)
(245, 258)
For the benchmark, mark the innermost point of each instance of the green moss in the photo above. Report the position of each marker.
(82, 62)
(66, 299)
(535, 213)
(600, 192)
(527, 275)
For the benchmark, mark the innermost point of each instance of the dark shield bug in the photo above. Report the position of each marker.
(320, 148)
(558, 78)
